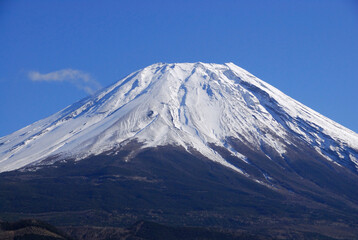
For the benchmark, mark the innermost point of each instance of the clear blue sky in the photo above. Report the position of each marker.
(308, 49)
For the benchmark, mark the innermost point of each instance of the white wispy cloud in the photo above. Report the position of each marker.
(80, 79)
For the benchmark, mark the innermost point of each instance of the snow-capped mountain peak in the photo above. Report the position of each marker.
(193, 105)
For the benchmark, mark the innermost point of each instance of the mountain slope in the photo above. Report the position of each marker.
(189, 144)
(171, 186)
(194, 105)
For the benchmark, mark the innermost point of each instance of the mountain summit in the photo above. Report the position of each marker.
(188, 144)
(198, 106)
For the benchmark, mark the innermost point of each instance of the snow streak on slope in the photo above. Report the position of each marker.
(193, 105)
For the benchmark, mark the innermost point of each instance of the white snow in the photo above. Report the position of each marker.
(184, 104)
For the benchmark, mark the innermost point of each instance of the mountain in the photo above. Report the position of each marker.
(191, 144)
(189, 105)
